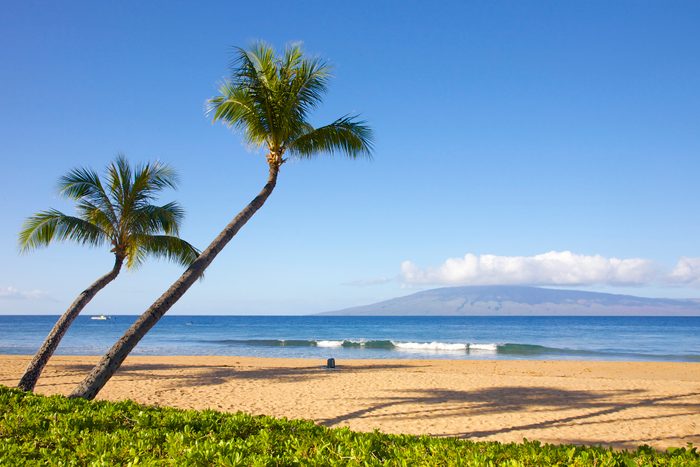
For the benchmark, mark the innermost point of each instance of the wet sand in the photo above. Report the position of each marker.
(616, 404)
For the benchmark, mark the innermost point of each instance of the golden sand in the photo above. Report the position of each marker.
(610, 403)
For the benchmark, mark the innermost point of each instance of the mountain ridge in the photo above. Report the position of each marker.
(495, 300)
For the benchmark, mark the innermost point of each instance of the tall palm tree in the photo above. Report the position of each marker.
(268, 98)
(119, 214)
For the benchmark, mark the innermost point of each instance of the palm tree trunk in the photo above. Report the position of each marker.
(36, 366)
(112, 360)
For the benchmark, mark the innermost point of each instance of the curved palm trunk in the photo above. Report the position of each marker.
(36, 366)
(112, 360)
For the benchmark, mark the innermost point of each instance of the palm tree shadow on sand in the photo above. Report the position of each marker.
(588, 405)
(213, 375)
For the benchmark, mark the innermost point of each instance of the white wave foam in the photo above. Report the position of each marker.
(483, 348)
(434, 346)
(329, 343)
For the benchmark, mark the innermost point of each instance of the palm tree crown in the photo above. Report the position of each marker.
(268, 98)
(118, 213)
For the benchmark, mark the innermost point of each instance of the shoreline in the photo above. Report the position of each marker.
(619, 404)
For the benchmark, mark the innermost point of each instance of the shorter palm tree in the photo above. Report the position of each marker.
(120, 214)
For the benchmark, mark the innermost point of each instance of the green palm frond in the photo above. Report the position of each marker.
(269, 97)
(119, 181)
(237, 109)
(122, 215)
(85, 184)
(148, 180)
(152, 219)
(94, 215)
(346, 135)
(257, 76)
(152, 178)
(161, 246)
(307, 86)
(162, 176)
(46, 226)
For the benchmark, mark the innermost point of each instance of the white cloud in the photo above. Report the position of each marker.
(552, 268)
(687, 272)
(13, 293)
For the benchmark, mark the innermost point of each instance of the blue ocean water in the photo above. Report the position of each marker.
(468, 337)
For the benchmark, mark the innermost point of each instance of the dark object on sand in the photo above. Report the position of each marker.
(330, 363)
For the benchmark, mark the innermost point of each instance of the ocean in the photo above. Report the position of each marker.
(320, 337)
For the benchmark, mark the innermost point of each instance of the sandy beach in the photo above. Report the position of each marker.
(616, 404)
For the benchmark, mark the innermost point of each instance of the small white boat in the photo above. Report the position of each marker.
(100, 317)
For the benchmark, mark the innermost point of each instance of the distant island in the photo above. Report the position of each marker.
(499, 300)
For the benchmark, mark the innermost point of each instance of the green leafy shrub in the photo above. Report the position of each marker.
(38, 430)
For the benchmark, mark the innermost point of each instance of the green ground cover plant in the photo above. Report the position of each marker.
(40, 430)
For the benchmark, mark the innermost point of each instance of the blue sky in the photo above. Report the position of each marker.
(509, 132)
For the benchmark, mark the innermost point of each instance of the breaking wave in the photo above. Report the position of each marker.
(366, 344)
(511, 350)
